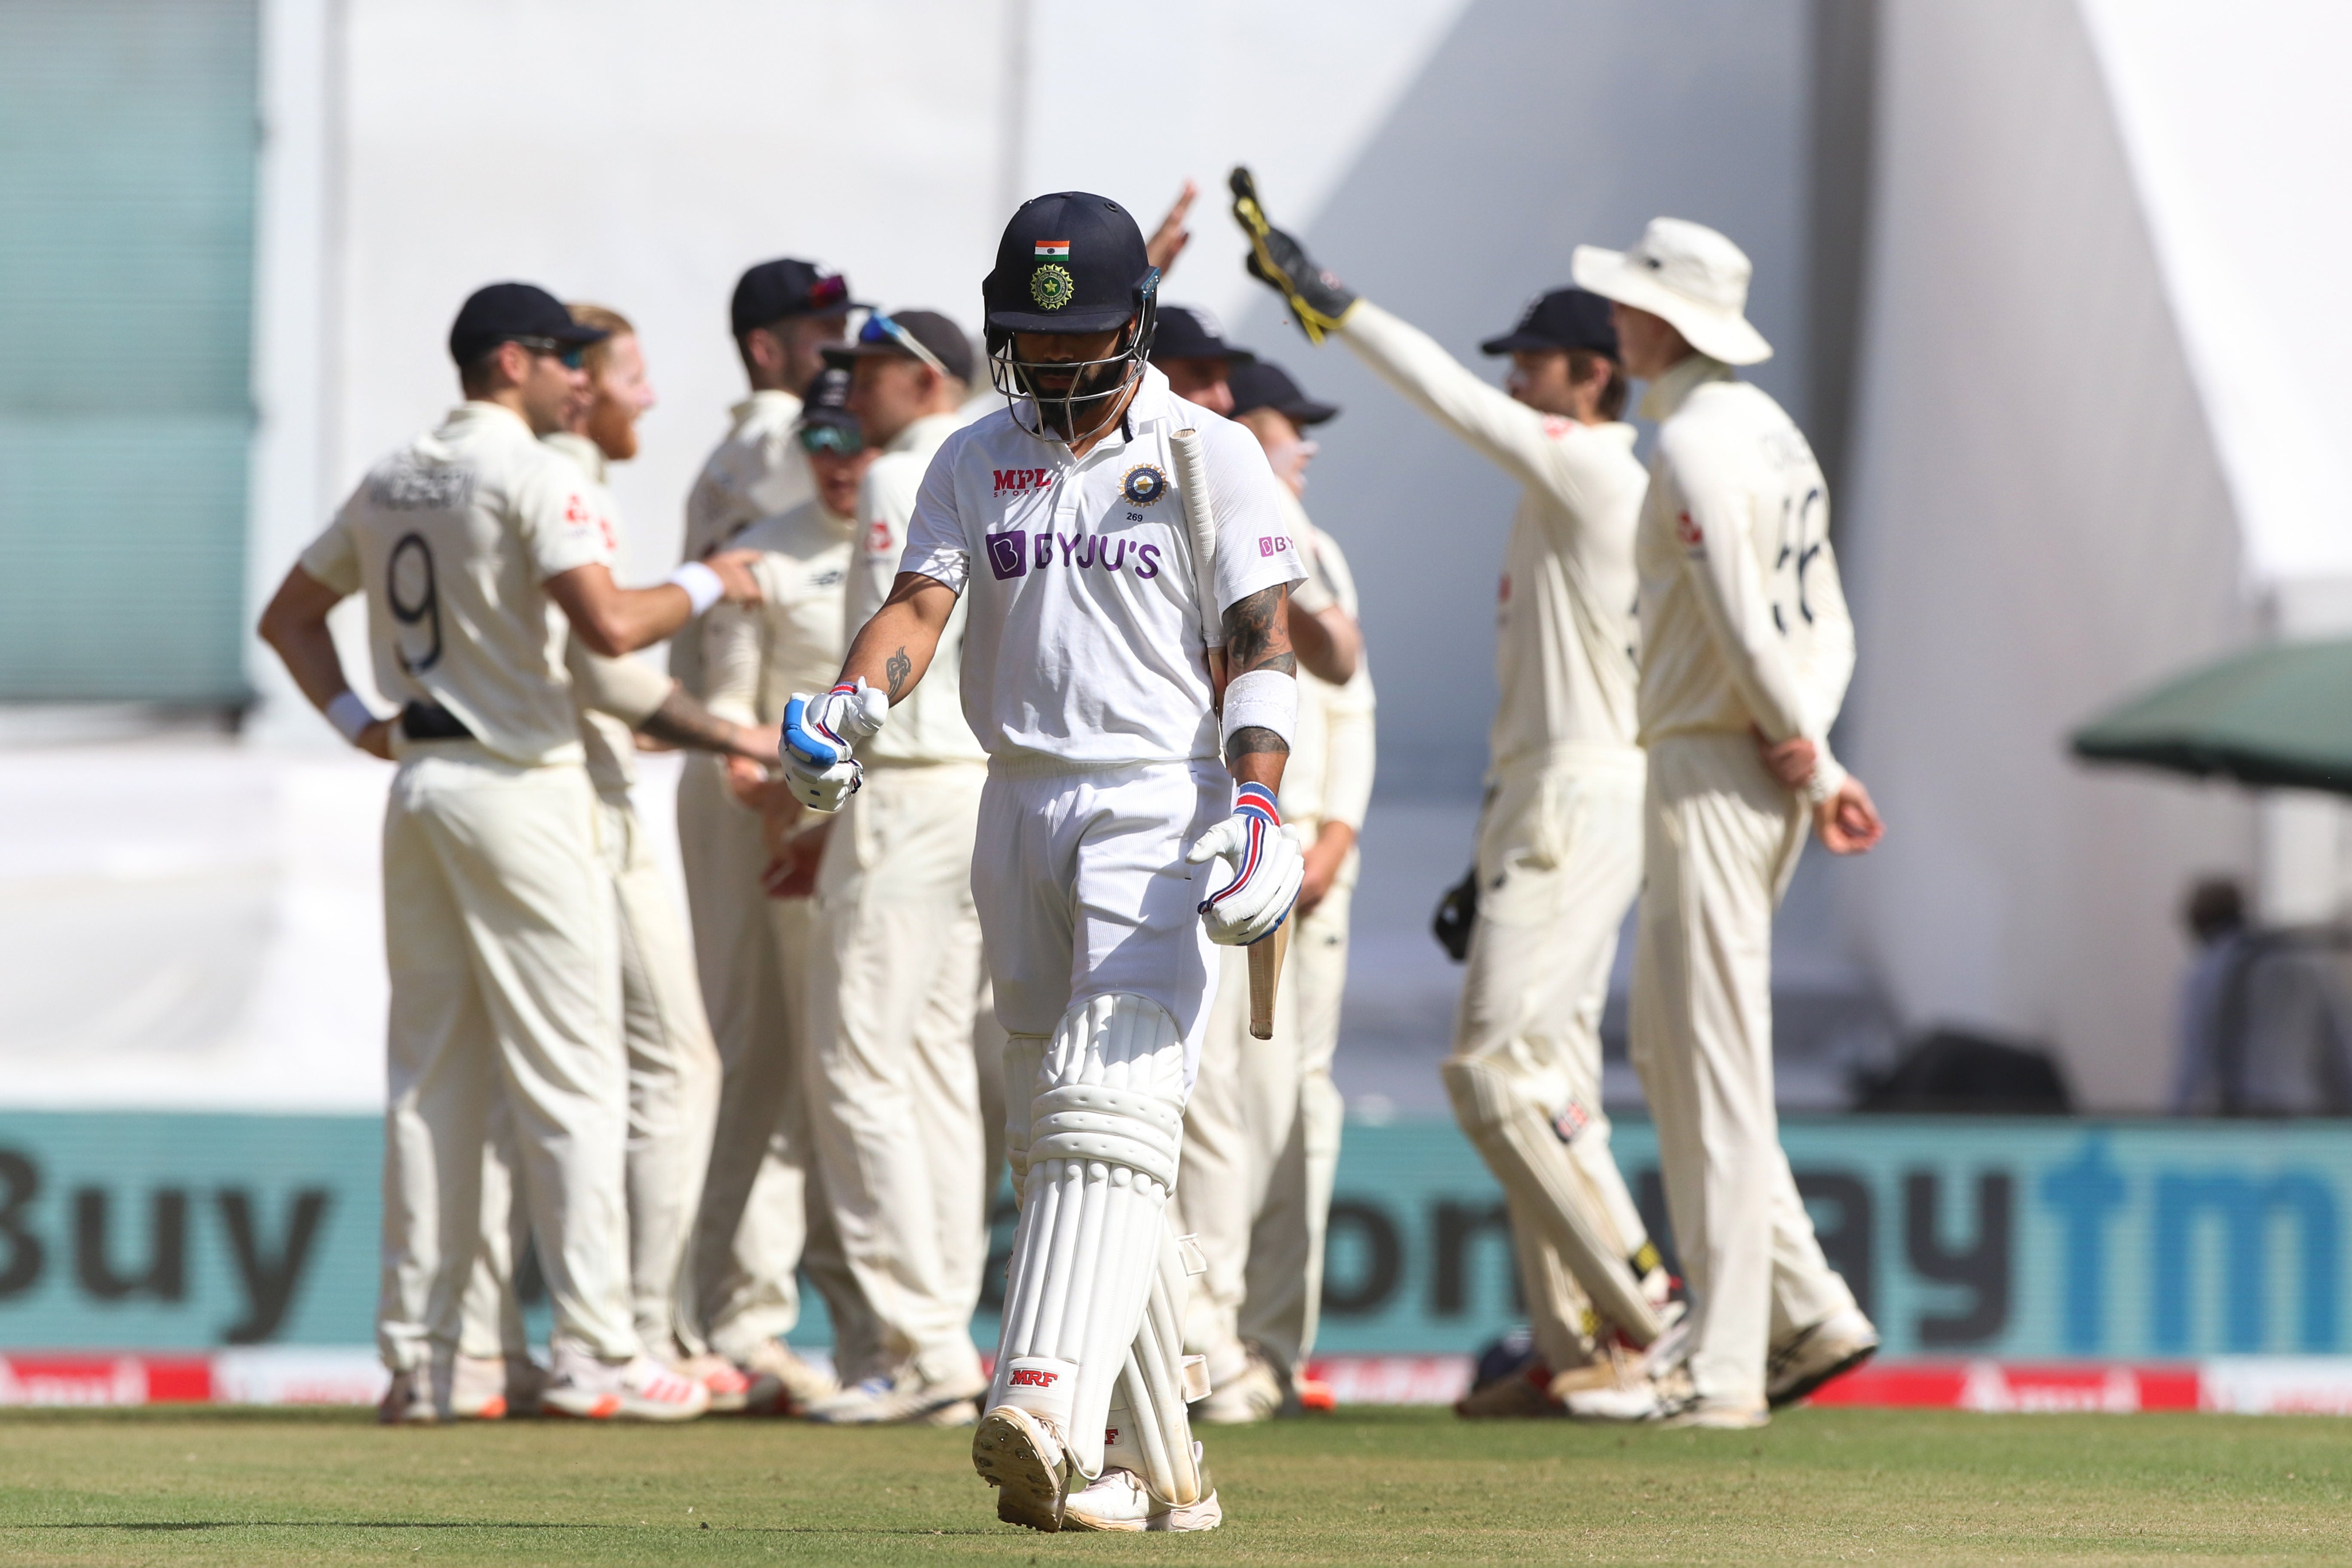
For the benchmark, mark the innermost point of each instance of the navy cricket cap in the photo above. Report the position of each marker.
(1563, 319)
(505, 311)
(1262, 384)
(940, 338)
(826, 424)
(775, 289)
(1069, 262)
(1188, 332)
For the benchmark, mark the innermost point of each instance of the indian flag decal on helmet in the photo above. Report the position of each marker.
(1053, 247)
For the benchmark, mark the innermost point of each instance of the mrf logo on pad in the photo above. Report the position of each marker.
(1033, 1377)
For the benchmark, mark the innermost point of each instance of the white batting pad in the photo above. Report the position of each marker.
(1150, 1432)
(1024, 1054)
(1516, 1140)
(1104, 1128)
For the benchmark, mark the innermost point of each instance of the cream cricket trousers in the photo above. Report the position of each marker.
(1723, 838)
(1558, 864)
(673, 1068)
(896, 987)
(1261, 1148)
(505, 995)
(762, 1218)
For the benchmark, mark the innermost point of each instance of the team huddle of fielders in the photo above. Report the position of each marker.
(1032, 733)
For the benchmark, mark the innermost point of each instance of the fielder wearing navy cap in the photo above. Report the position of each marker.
(1563, 319)
(1187, 331)
(776, 289)
(515, 312)
(827, 424)
(1262, 384)
(924, 335)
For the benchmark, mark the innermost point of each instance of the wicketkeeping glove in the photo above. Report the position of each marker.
(818, 734)
(1267, 869)
(1316, 298)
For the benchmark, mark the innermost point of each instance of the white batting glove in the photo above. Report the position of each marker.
(1267, 869)
(818, 734)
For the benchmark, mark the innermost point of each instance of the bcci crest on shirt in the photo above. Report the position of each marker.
(1143, 485)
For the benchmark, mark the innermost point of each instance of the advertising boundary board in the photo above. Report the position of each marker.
(2012, 1242)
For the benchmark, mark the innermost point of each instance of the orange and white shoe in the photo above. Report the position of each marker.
(1315, 1395)
(730, 1391)
(638, 1389)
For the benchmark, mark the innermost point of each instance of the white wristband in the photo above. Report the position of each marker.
(1828, 777)
(348, 714)
(701, 584)
(1262, 699)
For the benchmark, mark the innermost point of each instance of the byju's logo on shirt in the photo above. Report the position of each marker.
(1015, 480)
(1273, 543)
(1008, 554)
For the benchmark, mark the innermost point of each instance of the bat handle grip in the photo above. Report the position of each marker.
(1266, 957)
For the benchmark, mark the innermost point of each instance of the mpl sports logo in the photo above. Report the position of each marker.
(1016, 481)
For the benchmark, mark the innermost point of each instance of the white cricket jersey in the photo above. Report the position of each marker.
(451, 538)
(599, 683)
(756, 656)
(1329, 777)
(929, 726)
(1085, 643)
(1744, 620)
(757, 470)
(1565, 628)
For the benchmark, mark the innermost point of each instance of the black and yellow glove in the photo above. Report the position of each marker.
(1316, 298)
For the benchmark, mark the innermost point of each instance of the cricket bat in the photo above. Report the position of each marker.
(1193, 474)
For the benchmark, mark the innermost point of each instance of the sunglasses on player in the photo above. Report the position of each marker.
(572, 355)
(880, 329)
(829, 435)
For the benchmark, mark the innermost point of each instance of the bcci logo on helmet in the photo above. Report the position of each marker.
(1143, 485)
(1052, 287)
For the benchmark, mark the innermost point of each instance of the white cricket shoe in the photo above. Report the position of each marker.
(1669, 1399)
(407, 1402)
(491, 1388)
(641, 1389)
(1830, 1348)
(781, 1382)
(906, 1398)
(1118, 1501)
(1255, 1396)
(730, 1388)
(1021, 1456)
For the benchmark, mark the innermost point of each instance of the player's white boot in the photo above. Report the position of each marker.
(1022, 1456)
(1255, 1396)
(729, 1387)
(641, 1389)
(908, 1398)
(490, 1388)
(1830, 1348)
(1118, 1501)
(781, 1382)
(408, 1402)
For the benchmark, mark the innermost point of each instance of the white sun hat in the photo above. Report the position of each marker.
(1690, 275)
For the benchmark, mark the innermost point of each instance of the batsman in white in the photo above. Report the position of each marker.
(1089, 676)
(897, 983)
(474, 545)
(764, 1220)
(1261, 1131)
(673, 1065)
(1558, 853)
(1746, 651)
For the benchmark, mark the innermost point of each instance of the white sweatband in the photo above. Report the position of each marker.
(349, 715)
(1262, 699)
(1828, 776)
(701, 584)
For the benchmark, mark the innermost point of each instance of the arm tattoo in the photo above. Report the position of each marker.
(897, 668)
(1252, 740)
(1256, 636)
(682, 721)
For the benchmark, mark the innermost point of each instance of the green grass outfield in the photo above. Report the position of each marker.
(1818, 1486)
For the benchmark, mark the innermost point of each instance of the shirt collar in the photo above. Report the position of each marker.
(929, 430)
(785, 402)
(474, 411)
(581, 450)
(1669, 392)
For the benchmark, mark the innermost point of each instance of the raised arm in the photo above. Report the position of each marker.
(1497, 425)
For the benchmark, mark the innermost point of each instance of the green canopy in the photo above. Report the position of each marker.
(2280, 715)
